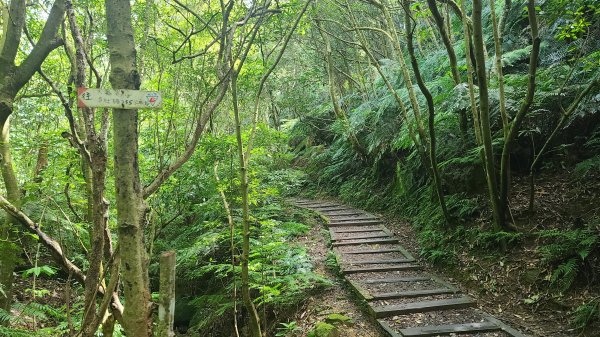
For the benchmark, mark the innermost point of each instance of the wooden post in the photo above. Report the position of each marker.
(166, 299)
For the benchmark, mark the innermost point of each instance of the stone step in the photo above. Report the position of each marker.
(354, 223)
(363, 230)
(333, 218)
(424, 306)
(381, 268)
(396, 280)
(379, 261)
(332, 208)
(360, 236)
(343, 213)
(354, 242)
(413, 293)
(434, 330)
(374, 251)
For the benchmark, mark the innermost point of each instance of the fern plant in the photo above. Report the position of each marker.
(586, 314)
(565, 252)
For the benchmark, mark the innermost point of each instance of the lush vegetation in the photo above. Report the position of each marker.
(371, 155)
(477, 121)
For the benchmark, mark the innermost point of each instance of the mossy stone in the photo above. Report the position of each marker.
(323, 329)
(336, 319)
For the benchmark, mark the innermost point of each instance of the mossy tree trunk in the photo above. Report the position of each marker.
(13, 78)
(484, 112)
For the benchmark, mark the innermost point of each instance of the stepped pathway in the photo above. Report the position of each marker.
(406, 300)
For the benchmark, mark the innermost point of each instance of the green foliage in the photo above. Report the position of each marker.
(40, 270)
(14, 332)
(281, 271)
(578, 21)
(331, 262)
(53, 320)
(565, 252)
(496, 239)
(287, 329)
(517, 55)
(586, 314)
(589, 166)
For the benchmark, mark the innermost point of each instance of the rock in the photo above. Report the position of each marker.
(336, 319)
(323, 329)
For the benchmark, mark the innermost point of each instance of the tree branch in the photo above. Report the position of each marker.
(12, 36)
(47, 42)
(53, 246)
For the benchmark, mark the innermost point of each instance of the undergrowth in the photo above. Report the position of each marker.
(208, 249)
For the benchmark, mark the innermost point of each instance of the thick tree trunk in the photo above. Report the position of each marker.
(131, 208)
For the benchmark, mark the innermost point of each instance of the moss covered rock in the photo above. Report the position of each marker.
(323, 329)
(337, 319)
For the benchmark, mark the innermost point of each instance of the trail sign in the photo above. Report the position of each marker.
(119, 98)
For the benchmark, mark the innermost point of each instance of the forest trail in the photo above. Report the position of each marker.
(405, 299)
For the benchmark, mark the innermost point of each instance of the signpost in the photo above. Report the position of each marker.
(119, 99)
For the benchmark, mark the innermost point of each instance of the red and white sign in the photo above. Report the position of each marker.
(118, 99)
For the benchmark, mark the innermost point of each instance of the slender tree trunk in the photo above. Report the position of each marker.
(498, 63)
(431, 109)
(255, 330)
(518, 120)
(439, 21)
(484, 112)
(421, 148)
(470, 64)
(333, 94)
(94, 170)
(131, 208)
(405, 73)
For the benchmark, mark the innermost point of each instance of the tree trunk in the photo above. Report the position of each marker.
(12, 79)
(94, 171)
(255, 330)
(333, 94)
(469, 60)
(431, 109)
(484, 112)
(166, 309)
(131, 208)
(517, 121)
(405, 73)
(8, 250)
(439, 21)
